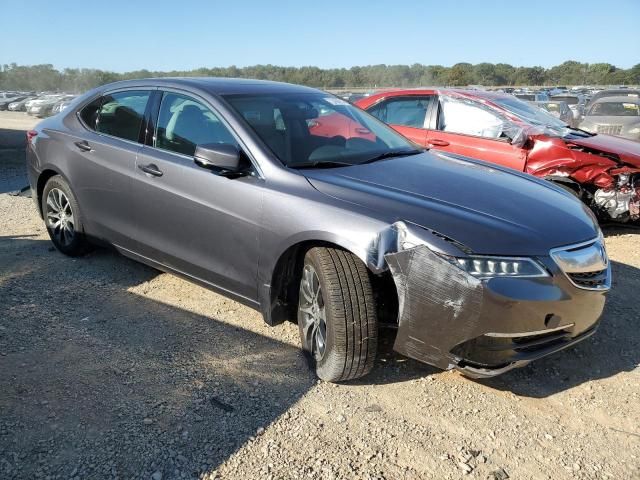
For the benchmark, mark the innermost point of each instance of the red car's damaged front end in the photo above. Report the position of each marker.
(602, 170)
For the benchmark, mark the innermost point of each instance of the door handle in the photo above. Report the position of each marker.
(151, 169)
(83, 145)
(436, 142)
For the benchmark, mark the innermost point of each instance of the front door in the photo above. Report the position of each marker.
(470, 129)
(190, 219)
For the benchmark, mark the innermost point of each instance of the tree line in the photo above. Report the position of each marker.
(47, 78)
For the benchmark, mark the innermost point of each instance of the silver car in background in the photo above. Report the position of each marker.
(63, 103)
(576, 102)
(20, 105)
(560, 110)
(619, 116)
(43, 106)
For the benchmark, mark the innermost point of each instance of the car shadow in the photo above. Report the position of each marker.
(614, 348)
(13, 172)
(614, 230)
(99, 379)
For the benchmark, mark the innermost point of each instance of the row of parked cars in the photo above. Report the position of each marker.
(610, 111)
(40, 105)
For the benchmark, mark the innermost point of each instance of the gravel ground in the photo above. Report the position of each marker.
(109, 369)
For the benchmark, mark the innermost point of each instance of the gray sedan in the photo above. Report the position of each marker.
(619, 116)
(308, 209)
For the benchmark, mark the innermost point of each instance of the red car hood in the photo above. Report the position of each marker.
(628, 150)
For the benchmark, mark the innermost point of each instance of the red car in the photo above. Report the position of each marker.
(603, 171)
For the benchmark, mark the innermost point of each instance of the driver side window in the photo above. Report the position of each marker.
(184, 123)
(468, 118)
(406, 111)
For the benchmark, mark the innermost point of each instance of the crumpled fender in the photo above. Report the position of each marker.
(556, 157)
(439, 305)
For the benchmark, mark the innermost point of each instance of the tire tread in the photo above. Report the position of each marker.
(353, 311)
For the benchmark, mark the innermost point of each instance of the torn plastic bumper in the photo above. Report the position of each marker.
(450, 319)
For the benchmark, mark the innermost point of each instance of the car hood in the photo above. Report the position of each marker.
(490, 210)
(628, 150)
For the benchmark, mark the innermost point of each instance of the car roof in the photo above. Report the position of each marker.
(215, 85)
(618, 98)
(436, 90)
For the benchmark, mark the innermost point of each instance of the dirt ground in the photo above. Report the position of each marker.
(109, 369)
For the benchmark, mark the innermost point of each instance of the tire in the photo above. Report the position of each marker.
(346, 304)
(62, 217)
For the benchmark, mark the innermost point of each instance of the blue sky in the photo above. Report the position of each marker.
(161, 35)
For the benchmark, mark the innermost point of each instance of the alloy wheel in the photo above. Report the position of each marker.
(312, 313)
(59, 217)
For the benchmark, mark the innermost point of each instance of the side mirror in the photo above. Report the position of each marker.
(222, 158)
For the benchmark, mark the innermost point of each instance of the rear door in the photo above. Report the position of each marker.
(409, 115)
(102, 161)
(469, 128)
(190, 219)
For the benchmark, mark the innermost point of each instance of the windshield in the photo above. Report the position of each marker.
(308, 129)
(529, 113)
(614, 109)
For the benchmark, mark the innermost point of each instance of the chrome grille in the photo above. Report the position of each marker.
(586, 265)
(609, 129)
(594, 280)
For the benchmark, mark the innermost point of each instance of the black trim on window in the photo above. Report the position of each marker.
(88, 104)
(151, 118)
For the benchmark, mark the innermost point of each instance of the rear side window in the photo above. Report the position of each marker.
(121, 114)
(89, 114)
(409, 112)
(184, 123)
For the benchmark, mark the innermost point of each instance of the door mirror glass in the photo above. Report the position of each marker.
(223, 158)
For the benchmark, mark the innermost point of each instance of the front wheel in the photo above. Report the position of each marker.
(337, 315)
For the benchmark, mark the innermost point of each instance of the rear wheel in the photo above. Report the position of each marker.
(62, 217)
(337, 315)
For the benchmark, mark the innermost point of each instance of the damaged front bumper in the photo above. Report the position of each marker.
(485, 327)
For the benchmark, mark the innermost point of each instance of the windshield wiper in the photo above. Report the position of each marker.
(391, 154)
(320, 164)
(590, 134)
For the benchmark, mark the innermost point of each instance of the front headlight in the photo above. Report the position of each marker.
(489, 267)
(484, 267)
(479, 266)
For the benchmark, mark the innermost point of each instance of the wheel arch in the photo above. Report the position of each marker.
(43, 178)
(278, 297)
